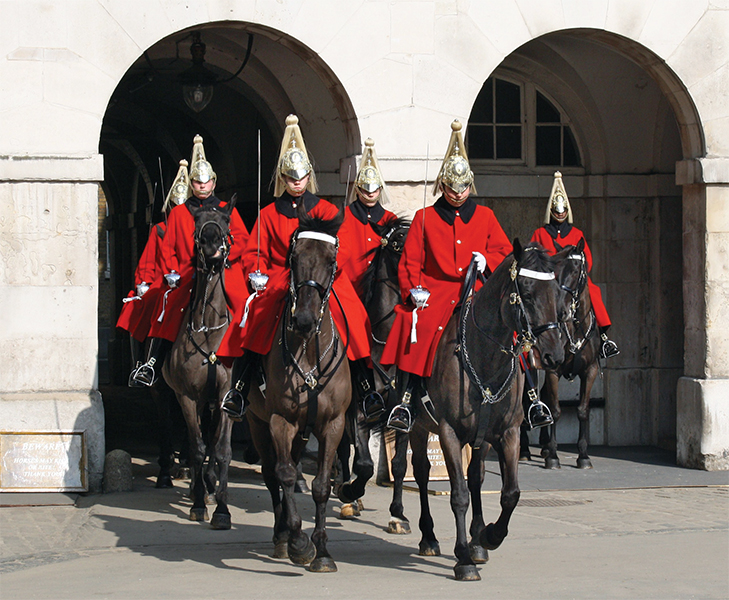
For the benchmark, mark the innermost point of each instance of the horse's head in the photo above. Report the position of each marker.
(537, 302)
(212, 236)
(385, 260)
(571, 273)
(313, 263)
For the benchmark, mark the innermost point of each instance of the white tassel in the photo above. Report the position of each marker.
(164, 306)
(413, 332)
(245, 312)
(132, 299)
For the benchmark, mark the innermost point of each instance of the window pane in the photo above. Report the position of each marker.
(546, 113)
(483, 108)
(508, 141)
(548, 145)
(571, 154)
(508, 102)
(480, 141)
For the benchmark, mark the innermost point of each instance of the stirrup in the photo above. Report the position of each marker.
(401, 418)
(608, 347)
(234, 404)
(145, 374)
(539, 415)
(373, 406)
(133, 383)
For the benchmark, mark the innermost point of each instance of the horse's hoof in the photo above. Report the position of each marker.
(198, 514)
(552, 463)
(220, 521)
(303, 556)
(349, 511)
(478, 553)
(344, 493)
(429, 548)
(398, 526)
(487, 539)
(183, 473)
(164, 481)
(280, 549)
(324, 564)
(544, 453)
(525, 456)
(466, 573)
(584, 463)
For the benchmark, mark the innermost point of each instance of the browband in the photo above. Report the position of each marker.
(315, 235)
(536, 274)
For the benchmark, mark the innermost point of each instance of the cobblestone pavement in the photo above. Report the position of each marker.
(635, 537)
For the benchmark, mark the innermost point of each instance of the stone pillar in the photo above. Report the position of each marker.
(702, 428)
(49, 297)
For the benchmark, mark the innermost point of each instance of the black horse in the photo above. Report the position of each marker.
(475, 395)
(582, 350)
(382, 293)
(194, 372)
(308, 390)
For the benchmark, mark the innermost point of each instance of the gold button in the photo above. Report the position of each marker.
(458, 241)
(453, 301)
(440, 328)
(460, 269)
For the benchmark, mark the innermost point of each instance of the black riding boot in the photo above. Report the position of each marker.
(403, 415)
(608, 348)
(235, 401)
(373, 405)
(148, 373)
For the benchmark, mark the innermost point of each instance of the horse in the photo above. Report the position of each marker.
(475, 395)
(382, 293)
(582, 350)
(308, 390)
(198, 377)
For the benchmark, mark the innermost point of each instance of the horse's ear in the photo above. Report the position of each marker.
(231, 204)
(339, 218)
(580, 245)
(517, 249)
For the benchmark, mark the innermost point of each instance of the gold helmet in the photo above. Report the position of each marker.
(180, 189)
(200, 170)
(455, 172)
(369, 177)
(558, 202)
(293, 160)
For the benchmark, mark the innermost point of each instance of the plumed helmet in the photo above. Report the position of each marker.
(180, 189)
(455, 172)
(558, 202)
(293, 160)
(369, 177)
(200, 169)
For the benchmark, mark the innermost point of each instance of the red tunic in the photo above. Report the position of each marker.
(178, 249)
(438, 260)
(574, 235)
(277, 224)
(360, 237)
(136, 315)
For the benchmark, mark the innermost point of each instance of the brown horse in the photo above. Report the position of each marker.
(194, 372)
(582, 349)
(308, 390)
(475, 396)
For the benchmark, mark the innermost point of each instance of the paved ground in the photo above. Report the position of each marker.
(635, 526)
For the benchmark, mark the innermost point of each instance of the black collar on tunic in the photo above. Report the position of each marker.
(285, 203)
(366, 214)
(555, 229)
(194, 203)
(447, 211)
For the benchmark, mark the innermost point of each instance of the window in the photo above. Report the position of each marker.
(515, 123)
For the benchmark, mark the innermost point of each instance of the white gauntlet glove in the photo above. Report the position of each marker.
(480, 261)
(172, 279)
(142, 288)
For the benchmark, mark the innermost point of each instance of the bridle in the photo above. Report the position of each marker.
(388, 242)
(575, 345)
(224, 248)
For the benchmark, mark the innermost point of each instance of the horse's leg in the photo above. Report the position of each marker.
(300, 548)
(398, 521)
(321, 488)
(197, 450)
(166, 459)
(465, 569)
(223, 453)
(549, 447)
(508, 452)
(261, 438)
(363, 467)
(476, 468)
(421, 470)
(583, 415)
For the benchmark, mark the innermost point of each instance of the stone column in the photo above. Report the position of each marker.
(702, 429)
(49, 297)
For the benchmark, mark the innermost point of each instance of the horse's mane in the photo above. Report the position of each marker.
(387, 253)
(536, 258)
(320, 224)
